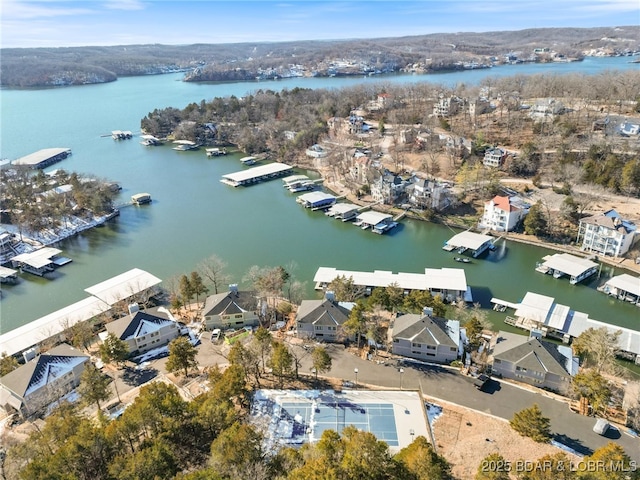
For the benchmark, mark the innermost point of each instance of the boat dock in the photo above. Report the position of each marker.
(564, 264)
(43, 158)
(316, 200)
(8, 275)
(343, 211)
(150, 140)
(121, 134)
(184, 145)
(378, 222)
(141, 198)
(41, 261)
(623, 287)
(542, 313)
(256, 174)
(215, 151)
(476, 242)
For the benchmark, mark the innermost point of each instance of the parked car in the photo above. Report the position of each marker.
(480, 381)
(601, 427)
(215, 335)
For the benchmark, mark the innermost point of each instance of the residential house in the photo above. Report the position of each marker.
(32, 387)
(629, 129)
(144, 330)
(388, 188)
(502, 214)
(425, 193)
(479, 106)
(546, 109)
(494, 157)
(446, 106)
(534, 361)
(322, 319)
(232, 309)
(426, 338)
(360, 167)
(607, 234)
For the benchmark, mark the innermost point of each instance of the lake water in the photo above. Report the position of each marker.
(194, 216)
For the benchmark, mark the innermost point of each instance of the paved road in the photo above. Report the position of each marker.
(499, 399)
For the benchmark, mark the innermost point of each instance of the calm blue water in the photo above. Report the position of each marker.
(194, 216)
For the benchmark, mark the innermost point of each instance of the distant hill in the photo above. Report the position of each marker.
(32, 67)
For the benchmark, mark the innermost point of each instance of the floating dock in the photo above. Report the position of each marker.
(216, 152)
(564, 264)
(43, 158)
(184, 145)
(623, 287)
(256, 174)
(378, 222)
(141, 198)
(476, 242)
(316, 200)
(343, 211)
(39, 262)
(121, 134)
(8, 275)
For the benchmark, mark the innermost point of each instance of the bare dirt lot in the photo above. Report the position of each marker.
(465, 437)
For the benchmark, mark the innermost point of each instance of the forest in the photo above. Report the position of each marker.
(37, 67)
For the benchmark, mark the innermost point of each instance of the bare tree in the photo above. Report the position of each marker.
(213, 269)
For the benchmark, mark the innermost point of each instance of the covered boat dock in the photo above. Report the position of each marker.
(450, 283)
(476, 242)
(256, 174)
(43, 158)
(623, 287)
(316, 200)
(378, 222)
(344, 211)
(561, 264)
(8, 275)
(39, 262)
(123, 286)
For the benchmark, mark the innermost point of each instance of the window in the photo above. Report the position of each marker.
(431, 347)
(318, 327)
(416, 345)
(453, 349)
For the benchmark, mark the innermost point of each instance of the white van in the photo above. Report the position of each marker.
(601, 426)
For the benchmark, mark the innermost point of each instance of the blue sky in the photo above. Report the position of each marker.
(59, 23)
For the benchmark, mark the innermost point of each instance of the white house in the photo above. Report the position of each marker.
(494, 157)
(502, 214)
(42, 381)
(143, 330)
(606, 234)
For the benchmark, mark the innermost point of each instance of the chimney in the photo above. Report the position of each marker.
(330, 295)
(133, 308)
(233, 288)
(427, 311)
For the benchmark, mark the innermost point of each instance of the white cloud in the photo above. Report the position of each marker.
(15, 9)
(124, 5)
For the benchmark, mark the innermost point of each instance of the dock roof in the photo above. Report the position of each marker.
(535, 307)
(372, 218)
(342, 208)
(123, 286)
(625, 282)
(40, 156)
(432, 278)
(26, 336)
(315, 197)
(257, 172)
(6, 272)
(38, 259)
(469, 240)
(568, 264)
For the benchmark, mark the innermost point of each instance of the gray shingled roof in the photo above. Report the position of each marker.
(422, 329)
(228, 303)
(322, 312)
(536, 355)
(21, 379)
(131, 325)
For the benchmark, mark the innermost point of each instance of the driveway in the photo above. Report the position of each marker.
(500, 399)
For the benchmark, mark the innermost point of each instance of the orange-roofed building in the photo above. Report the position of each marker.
(502, 214)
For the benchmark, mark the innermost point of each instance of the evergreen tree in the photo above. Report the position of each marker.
(8, 363)
(94, 386)
(493, 467)
(114, 350)
(197, 286)
(531, 423)
(182, 356)
(535, 223)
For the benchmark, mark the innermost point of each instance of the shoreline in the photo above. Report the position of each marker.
(626, 264)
